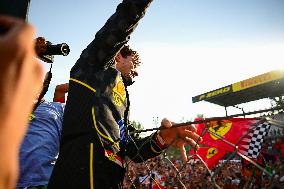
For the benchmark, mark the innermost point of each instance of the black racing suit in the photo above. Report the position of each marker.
(94, 134)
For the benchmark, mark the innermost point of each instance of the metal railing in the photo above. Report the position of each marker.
(167, 171)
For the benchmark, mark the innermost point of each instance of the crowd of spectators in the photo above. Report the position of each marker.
(172, 173)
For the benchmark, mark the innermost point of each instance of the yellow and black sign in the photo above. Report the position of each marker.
(211, 94)
(257, 80)
(270, 84)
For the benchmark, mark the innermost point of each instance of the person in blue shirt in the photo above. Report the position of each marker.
(40, 147)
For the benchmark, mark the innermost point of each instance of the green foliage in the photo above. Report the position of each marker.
(277, 101)
(200, 115)
(137, 125)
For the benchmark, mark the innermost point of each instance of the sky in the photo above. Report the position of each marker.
(188, 47)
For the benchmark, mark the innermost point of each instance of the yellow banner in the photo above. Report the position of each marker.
(257, 80)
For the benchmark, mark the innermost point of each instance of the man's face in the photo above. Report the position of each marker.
(127, 66)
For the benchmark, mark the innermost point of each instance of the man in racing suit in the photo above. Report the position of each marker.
(95, 137)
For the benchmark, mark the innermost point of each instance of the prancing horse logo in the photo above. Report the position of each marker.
(220, 128)
(211, 152)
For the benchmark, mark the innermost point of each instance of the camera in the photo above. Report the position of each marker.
(45, 50)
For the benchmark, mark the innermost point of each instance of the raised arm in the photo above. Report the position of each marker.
(113, 35)
(60, 91)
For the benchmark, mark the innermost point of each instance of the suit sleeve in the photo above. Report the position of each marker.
(141, 149)
(112, 36)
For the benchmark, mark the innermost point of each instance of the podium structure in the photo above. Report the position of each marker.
(267, 85)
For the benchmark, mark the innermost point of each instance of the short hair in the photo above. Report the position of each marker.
(127, 51)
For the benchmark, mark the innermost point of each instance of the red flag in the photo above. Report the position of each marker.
(220, 137)
(214, 135)
(224, 134)
(210, 156)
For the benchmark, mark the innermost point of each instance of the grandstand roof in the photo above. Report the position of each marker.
(270, 84)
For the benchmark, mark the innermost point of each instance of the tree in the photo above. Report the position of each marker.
(200, 115)
(277, 101)
(138, 126)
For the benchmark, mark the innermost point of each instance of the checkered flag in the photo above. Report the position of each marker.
(254, 140)
(257, 138)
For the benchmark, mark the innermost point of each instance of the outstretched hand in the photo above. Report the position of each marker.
(179, 136)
